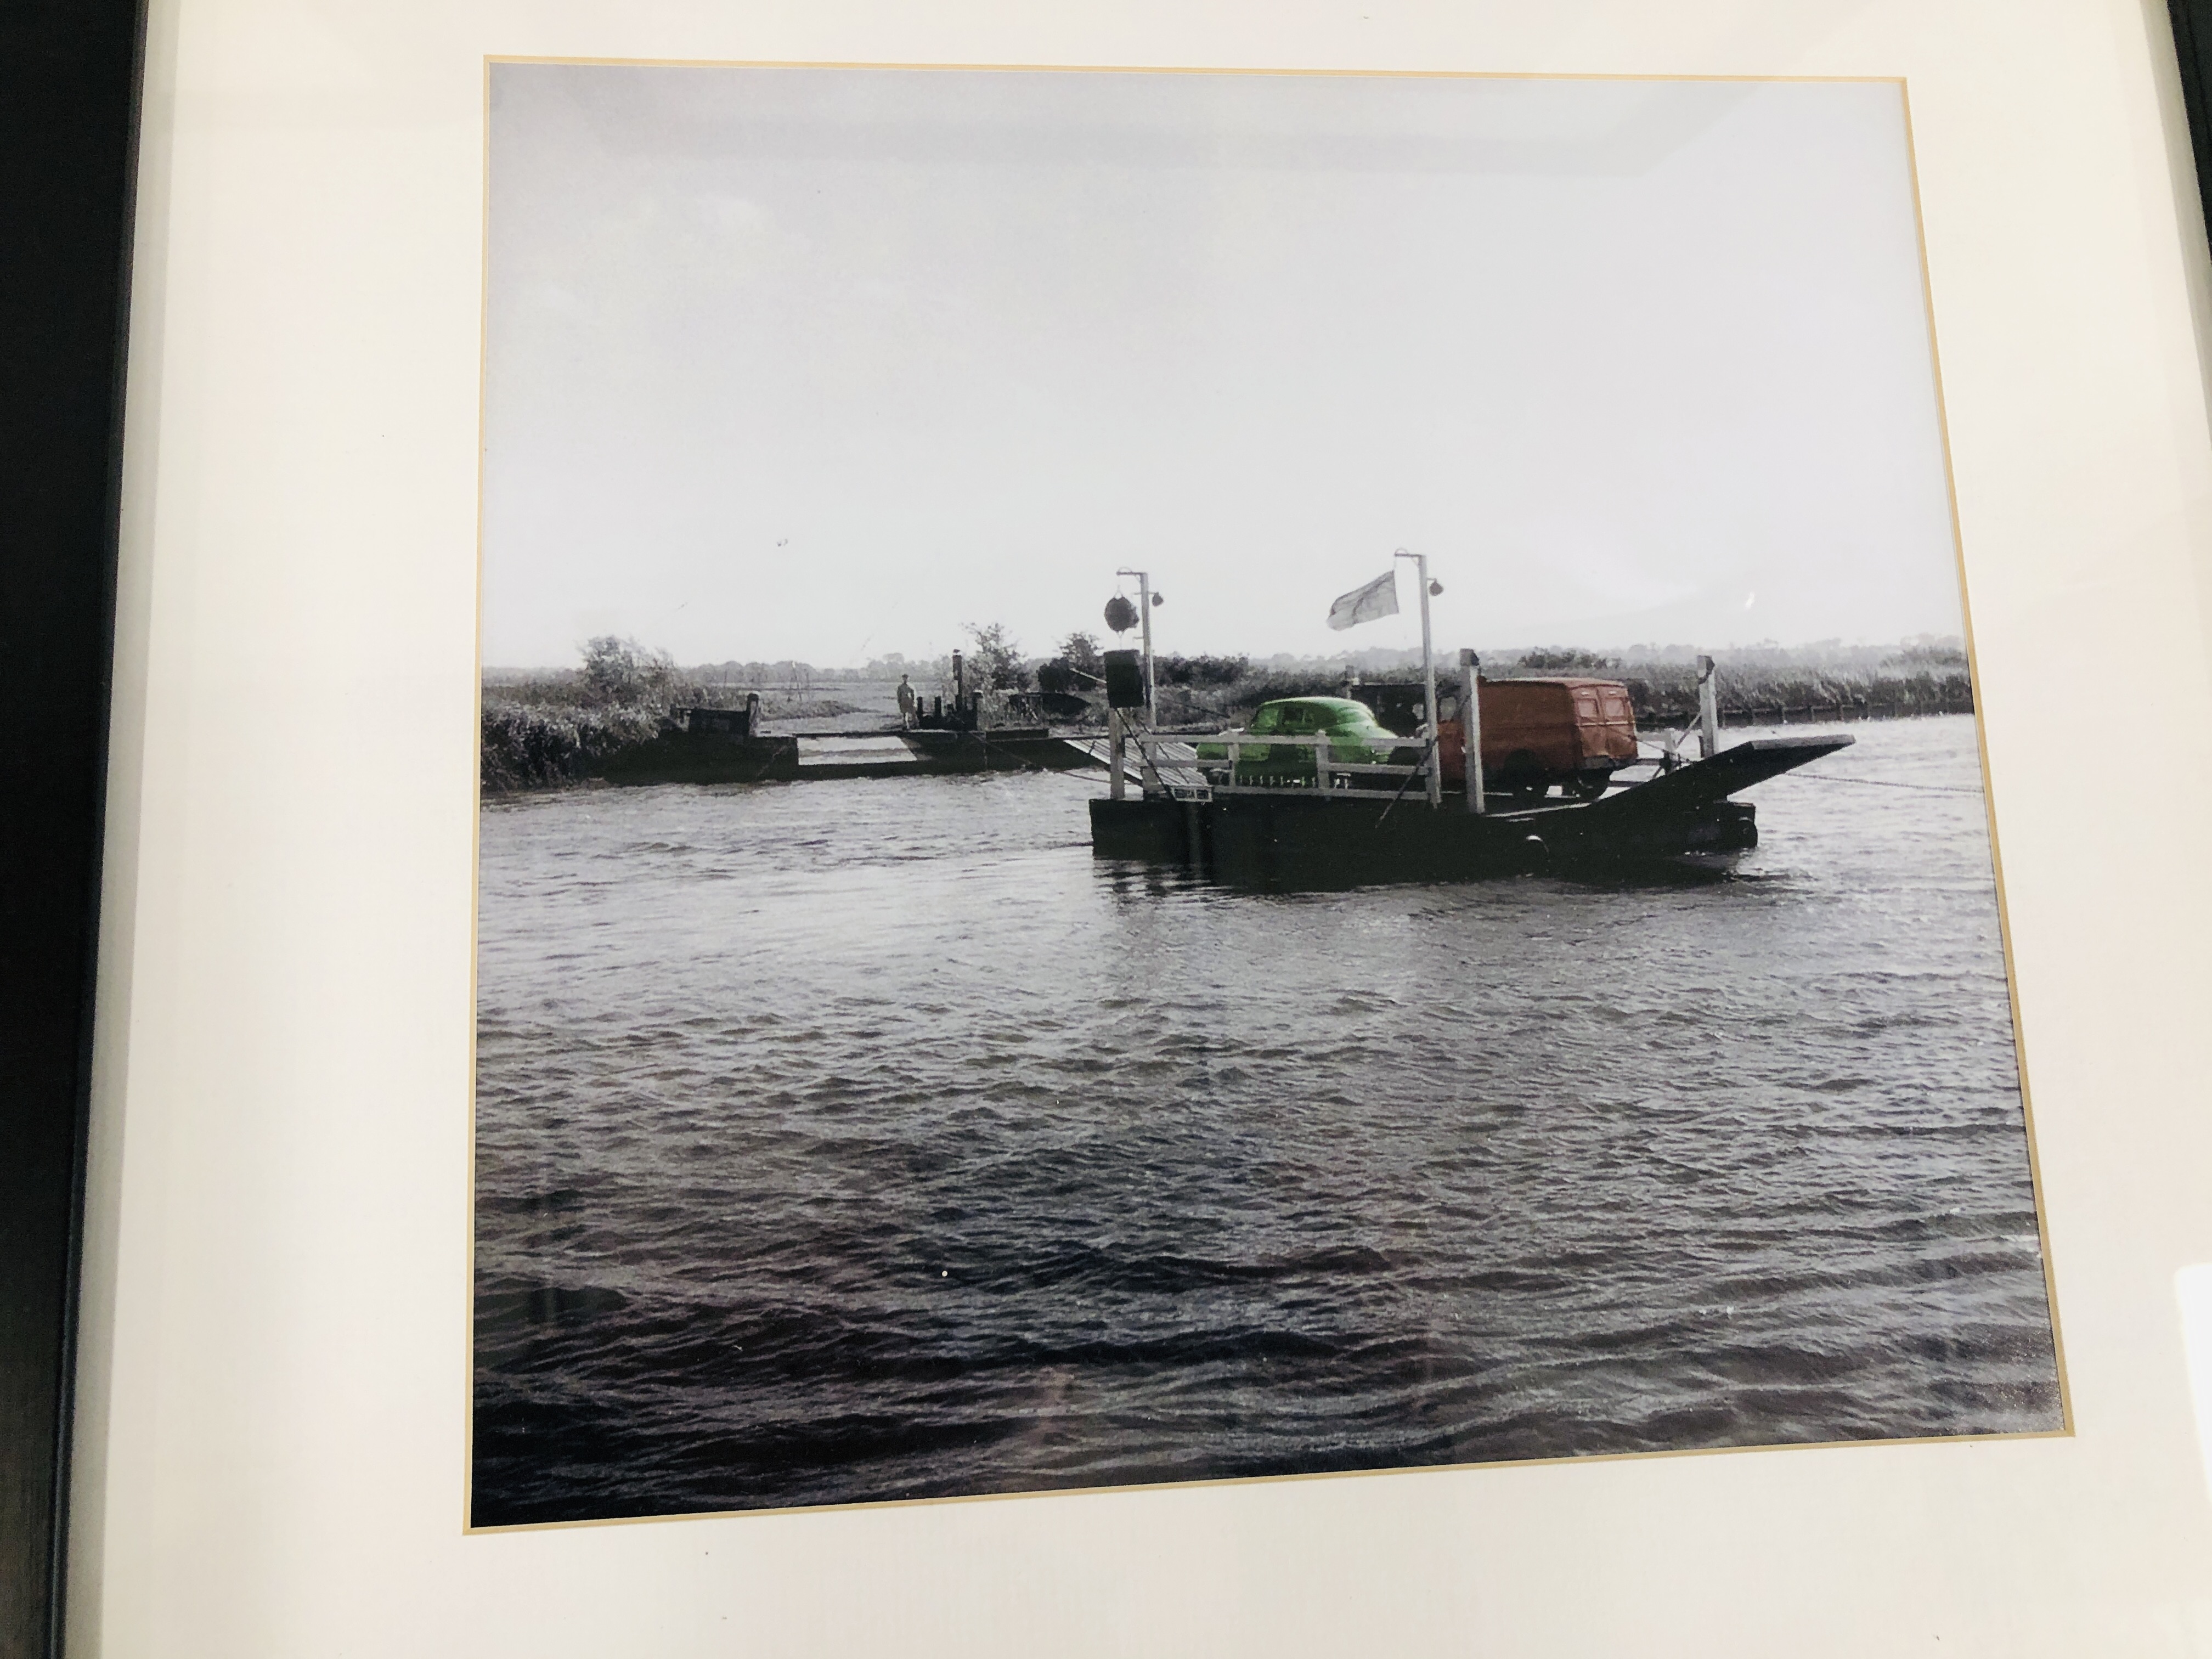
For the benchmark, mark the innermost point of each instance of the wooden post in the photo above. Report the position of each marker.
(1709, 719)
(1320, 763)
(1117, 788)
(1148, 761)
(1470, 728)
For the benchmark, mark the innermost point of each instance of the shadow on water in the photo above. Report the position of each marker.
(1137, 877)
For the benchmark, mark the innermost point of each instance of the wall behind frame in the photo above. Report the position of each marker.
(273, 1388)
(68, 83)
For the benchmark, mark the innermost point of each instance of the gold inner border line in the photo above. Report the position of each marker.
(2067, 1429)
(1176, 69)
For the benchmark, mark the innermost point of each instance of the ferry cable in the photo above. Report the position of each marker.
(1885, 783)
(1428, 753)
(1020, 764)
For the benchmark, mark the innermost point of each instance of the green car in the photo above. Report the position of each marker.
(1355, 738)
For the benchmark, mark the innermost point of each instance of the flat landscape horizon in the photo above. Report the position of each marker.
(1813, 653)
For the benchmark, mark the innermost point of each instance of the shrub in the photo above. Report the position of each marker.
(996, 659)
(1251, 692)
(621, 673)
(1081, 652)
(1557, 660)
(528, 746)
(556, 729)
(1201, 671)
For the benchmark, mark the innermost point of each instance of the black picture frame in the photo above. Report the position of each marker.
(2192, 50)
(69, 84)
(68, 99)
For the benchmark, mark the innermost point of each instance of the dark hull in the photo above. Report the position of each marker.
(1681, 824)
(1287, 843)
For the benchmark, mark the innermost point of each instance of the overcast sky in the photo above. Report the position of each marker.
(825, 364)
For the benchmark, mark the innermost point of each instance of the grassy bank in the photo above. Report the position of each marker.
(556, 727)
(1756, 684)
(530, 745)
(1663, 693)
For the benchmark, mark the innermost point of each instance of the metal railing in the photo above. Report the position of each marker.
(1187, 772)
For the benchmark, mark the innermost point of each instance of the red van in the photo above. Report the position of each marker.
(1574, 732)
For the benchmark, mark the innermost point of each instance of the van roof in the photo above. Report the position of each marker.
(1444, 684)
(1568, 680)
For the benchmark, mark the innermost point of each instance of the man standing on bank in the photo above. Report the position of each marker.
(906, 699)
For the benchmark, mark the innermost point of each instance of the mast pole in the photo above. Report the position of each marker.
(1144, 615)
(1434, 757)
(1145, 620)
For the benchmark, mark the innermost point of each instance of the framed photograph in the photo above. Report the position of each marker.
(1310, 794)
(909, 1067)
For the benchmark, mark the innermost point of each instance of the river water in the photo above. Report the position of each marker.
(857, 1141)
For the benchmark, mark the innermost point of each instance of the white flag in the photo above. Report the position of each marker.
(1378, 598)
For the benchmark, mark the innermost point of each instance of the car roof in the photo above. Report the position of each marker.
(1334, 705)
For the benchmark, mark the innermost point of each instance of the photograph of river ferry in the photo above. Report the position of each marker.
(913, 1066)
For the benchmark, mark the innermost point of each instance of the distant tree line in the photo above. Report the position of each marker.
(553, 726)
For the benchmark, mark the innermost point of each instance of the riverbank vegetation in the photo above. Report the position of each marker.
(1916, 677)
(551, 728)
(556, 726)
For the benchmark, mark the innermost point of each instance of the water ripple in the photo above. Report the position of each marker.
(858, 1140)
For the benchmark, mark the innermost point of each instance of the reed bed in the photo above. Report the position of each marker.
(1666, 694)
(555, 727)
(532, 746)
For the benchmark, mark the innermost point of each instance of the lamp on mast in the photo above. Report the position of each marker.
(1145, 600)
